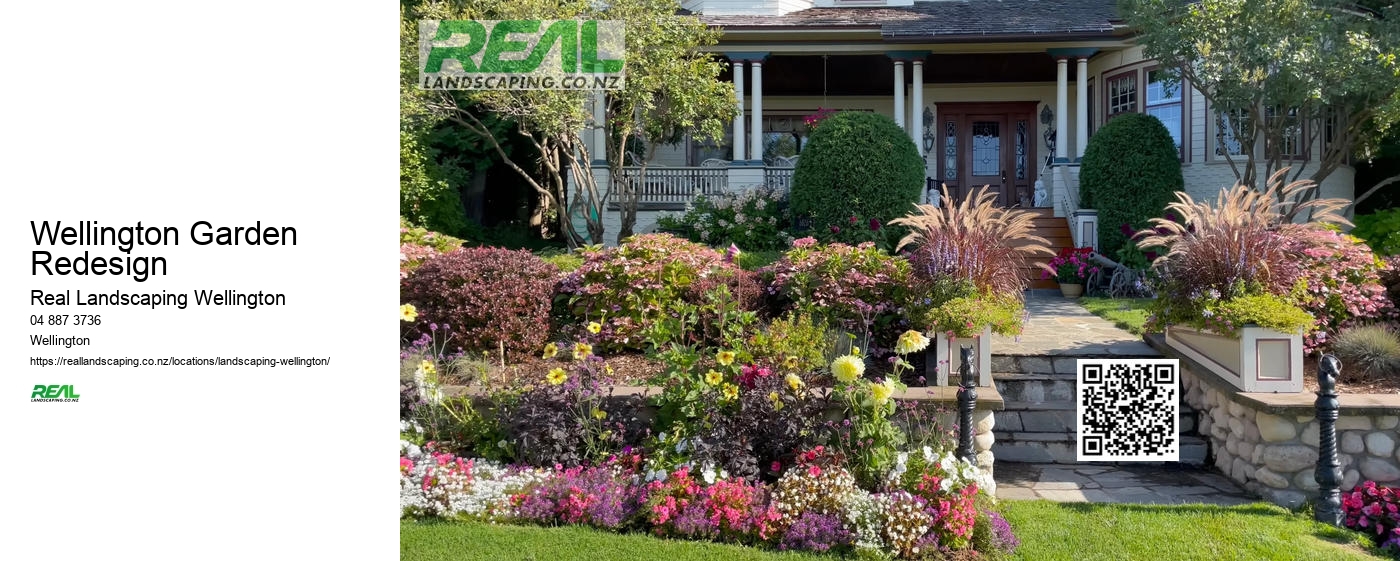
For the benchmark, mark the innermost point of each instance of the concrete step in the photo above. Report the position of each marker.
(1003, 364)
(1060, 449)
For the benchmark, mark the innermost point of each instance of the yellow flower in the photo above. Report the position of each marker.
(725, 358)
(428, 367)
(775, 400)
(594, 327)
(600, 414)
(608, 368)
(582, 350)
(847, 368)
(408, 313)
(855, 351)
(713, 378)
(882, 391)
(911, 342)
(730, 392)
(791, 363)
(556, 376)
(794, 382)
(550, 350)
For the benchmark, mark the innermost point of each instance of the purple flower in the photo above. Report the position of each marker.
(815, 532)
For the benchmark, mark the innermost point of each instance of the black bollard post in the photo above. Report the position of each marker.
(967, 402)
(1329, 470)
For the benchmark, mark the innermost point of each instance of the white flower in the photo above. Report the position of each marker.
(708, 474)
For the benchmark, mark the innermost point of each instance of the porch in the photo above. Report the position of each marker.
(1008, 119)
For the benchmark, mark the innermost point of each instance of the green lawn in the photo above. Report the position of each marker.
(1082, 531)
(473, 540)
(1126, 313)
(1048, 531)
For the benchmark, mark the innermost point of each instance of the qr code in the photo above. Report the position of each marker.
(1128, 410)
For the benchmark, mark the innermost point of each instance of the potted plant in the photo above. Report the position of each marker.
(1071, 268)
(1230, 291)
(966, 259)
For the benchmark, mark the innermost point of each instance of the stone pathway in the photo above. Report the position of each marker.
(1100, 483)
(1061, 327)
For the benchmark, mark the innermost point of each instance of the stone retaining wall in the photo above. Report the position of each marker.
(1268, 442)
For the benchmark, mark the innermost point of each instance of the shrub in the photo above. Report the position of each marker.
(754, 219)
(566, 262)
(856, 163)
(1337, 280)
(425, 197)
(649, 278)
(860, 289)
(489, 296)
(417, 245)
(1381, 230)
(795, 335)
(1130, 170)
(974, 240)
(1071, 266)
(1373, 351)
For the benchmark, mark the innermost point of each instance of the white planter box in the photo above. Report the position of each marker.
(1259, 360)
(949, 358)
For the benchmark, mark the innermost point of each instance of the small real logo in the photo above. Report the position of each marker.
(531, 54)
(54, 393)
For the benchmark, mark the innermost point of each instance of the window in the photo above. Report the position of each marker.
(783, 136)
(1289, 145)
(1230, 131)
(1122, 94)
(1164, 101)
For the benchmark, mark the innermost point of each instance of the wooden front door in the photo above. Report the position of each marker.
(989, 144)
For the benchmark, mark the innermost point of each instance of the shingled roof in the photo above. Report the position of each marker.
(942, 19)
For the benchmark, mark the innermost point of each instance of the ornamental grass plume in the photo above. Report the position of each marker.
(1235, 241)
(974, 239)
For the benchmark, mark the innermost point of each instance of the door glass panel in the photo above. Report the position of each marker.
(1021, 149)
(950, 152)
(986, 148)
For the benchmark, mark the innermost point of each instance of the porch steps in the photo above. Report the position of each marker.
(1038, 423)
(1056, 231)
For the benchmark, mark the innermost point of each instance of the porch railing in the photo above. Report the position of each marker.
(670, 188)
(779, 179)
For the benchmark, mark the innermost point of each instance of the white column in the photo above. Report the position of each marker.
(1081, 107)
(739, 117)
(756, 140)
(1061, 108)
(917, 114)
(899, 93)
(600, 133)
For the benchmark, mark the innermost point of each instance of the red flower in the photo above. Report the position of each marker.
(874, 224)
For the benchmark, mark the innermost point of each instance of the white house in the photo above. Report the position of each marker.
(993, 92)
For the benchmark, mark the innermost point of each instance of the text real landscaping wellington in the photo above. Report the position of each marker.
(140, 268)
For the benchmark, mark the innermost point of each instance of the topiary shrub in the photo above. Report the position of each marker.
(1130, 171)
(489, 296)
(856, 164)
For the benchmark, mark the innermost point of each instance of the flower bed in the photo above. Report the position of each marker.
(928, 503)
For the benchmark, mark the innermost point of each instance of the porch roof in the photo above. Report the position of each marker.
(951, 20)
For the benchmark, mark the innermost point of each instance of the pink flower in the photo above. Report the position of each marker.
(776, 467)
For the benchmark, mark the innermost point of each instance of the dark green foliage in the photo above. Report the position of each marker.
(856, 164)
(1130, 170)
(1381, 231)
